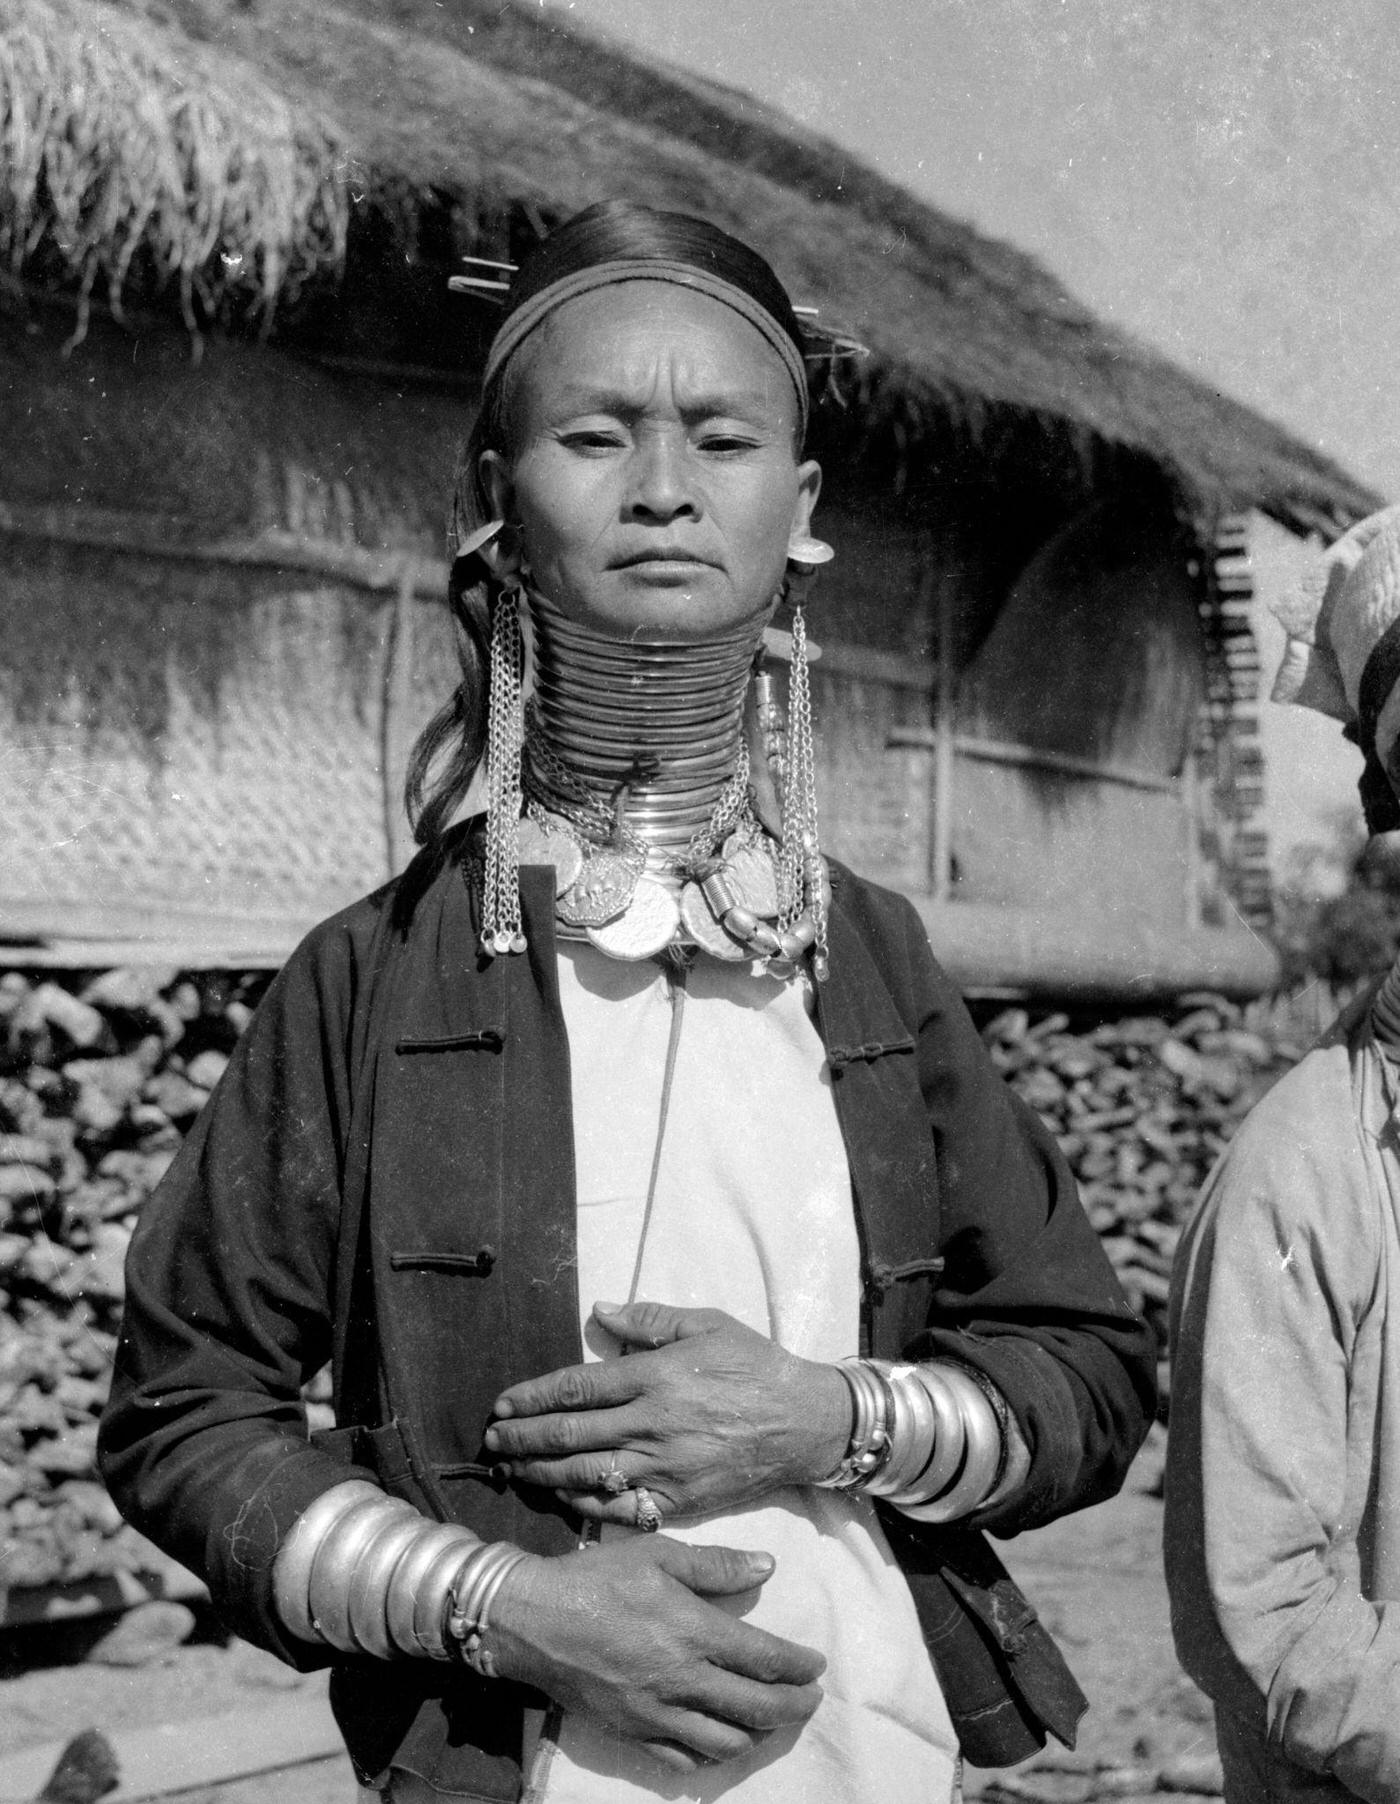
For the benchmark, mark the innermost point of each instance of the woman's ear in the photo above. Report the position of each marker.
(495, 478)
(809, 487)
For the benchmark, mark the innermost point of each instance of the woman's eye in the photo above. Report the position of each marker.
(592, 438)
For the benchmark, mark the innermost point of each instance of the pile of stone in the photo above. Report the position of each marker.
(1142, 1107)
(99, 1079)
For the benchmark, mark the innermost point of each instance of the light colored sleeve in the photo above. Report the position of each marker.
(1275, 1280)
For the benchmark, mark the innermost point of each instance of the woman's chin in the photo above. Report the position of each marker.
(666, 609)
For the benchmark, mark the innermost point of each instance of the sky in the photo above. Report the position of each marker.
(1219, 177)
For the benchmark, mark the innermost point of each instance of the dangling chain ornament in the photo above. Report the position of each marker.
(505, 733)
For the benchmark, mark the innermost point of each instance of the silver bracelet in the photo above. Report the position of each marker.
(408, 1579)
(869, 1444)
(982, 1452)
(434, 1600)
(949, 1437)
(347, 1540)
(473, 1593)
(367, 1602)
(365, 1572)
(903, 1479)
(291, 1571)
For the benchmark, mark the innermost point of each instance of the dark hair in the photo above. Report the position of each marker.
(452, 745)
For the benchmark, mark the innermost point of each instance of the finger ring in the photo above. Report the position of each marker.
(613, 1480)
(648, 1514)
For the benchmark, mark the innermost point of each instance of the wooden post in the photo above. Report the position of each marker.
(945, 741)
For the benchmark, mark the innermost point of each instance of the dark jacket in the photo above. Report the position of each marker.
(385, 1178)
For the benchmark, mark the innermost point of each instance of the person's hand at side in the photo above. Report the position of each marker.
(624, 1633)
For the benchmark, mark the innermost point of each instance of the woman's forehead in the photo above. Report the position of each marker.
(628, 337)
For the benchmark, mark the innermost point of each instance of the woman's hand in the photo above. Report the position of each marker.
(624, 1632)
(708, 1416)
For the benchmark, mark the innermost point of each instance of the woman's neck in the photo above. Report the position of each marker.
(661, 721)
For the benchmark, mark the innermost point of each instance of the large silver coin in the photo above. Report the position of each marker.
(648, 924)
(749, 872)
(602, 889)
(701, 926)
(535, 844)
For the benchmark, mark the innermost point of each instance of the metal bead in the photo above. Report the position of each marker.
(742, 921)
(518, 942)
(765, 939)
(718, 894)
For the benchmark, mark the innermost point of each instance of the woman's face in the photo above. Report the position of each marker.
(653, 471)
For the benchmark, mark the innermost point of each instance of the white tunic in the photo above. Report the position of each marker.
(752, 1214)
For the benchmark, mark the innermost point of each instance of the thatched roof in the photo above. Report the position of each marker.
(223, 151)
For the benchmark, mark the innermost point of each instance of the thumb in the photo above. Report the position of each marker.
(715, 1571)
(653, 1324)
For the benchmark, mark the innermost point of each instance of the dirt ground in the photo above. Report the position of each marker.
(1095, 1577)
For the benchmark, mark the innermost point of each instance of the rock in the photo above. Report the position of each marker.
(184, 1001)
(94, 1112)
(1200, 1773)
(131, 989)
(21, 1112)
(22, 1183)
(78, 1022)
(1125, 1782)
(13, 1248)
(103, 1272)
(87, 1770)
(31, 1562)
(1042, 1786)
(12, 1482)
(72, 1455)
(14, 990)
(174, 1095)
(91, 1505)
(145, 1636)
(28, 1149)
(206, 1069)
(120, 1079)
(141, 1170)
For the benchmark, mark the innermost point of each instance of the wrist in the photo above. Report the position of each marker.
(514, 1612)
(829, 1414)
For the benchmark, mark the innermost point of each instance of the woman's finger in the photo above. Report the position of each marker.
(598, 1506)
(572, 1442)
(753, 1653)
(708, 1737)
(657, 1324)
(669, 1754)
(599, 1385)
(758, 1708)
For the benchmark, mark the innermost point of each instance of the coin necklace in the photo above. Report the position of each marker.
(729, 901)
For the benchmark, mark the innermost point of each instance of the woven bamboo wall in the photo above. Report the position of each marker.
(189, 742)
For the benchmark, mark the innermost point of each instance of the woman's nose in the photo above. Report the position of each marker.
(661, 483)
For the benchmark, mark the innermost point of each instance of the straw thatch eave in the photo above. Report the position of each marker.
(238, 144)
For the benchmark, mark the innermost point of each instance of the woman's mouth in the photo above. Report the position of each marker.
(664, 566)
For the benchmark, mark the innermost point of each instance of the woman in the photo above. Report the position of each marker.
(1283, 1560)
(622, 1037)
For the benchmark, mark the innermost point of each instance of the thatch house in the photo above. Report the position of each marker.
(232, 385)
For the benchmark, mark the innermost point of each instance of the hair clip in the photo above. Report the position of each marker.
(819, 345)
